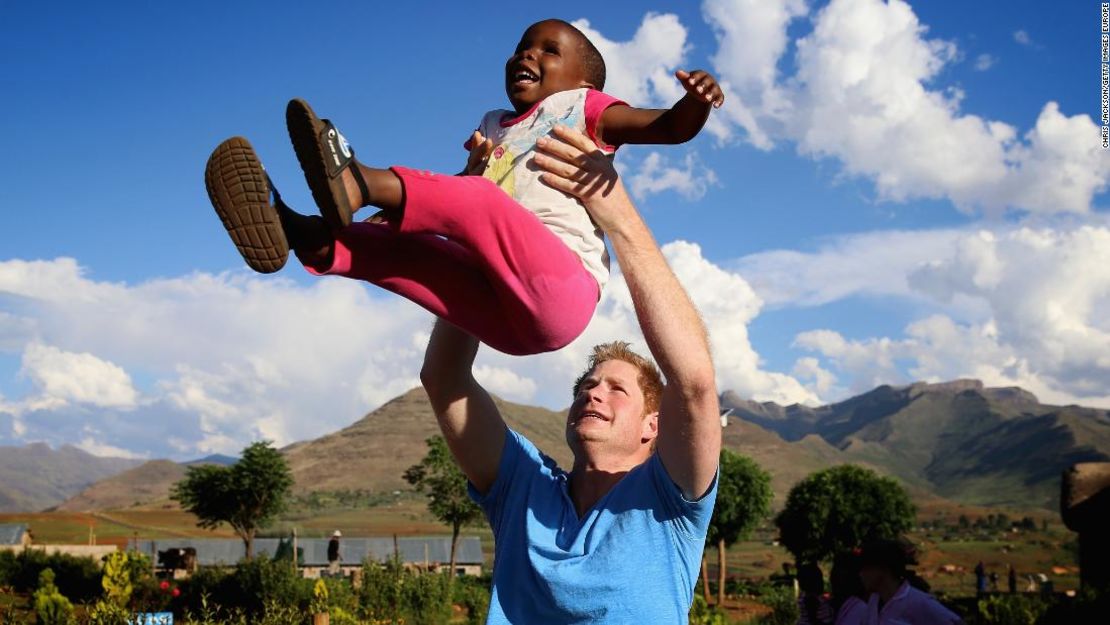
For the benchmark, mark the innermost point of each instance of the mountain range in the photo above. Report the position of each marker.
(958, 441)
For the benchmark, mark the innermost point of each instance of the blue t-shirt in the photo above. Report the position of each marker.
(633, 558)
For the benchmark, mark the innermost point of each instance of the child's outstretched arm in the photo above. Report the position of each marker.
(680, 123)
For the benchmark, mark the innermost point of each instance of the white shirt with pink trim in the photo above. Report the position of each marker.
(514, 140)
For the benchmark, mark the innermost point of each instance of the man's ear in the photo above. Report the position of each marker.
(650, 428)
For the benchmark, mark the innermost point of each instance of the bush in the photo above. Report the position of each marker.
(392, 594)
(254, 580)
(473, 594)
(702, 614)
(51, 606)
(1011, 609)
(76, 578)
(784, 607)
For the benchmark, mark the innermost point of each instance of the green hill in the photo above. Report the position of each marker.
(958, 440)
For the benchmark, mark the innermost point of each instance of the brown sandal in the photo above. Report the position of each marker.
(324, 153)
(245, 199)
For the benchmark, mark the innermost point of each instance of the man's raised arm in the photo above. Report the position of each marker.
(689, 441)
(466, 413)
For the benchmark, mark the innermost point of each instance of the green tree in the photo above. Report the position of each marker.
(438, 477)
(246, 495)
(743, 500)
(837, 509)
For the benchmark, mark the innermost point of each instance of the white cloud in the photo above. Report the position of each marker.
(1019, 306)
(751, 37)
(1022, 37)
(984, 61)
(656, 174)
(641, 71)
(868, 264)
(235, 357)
(97, 447)
(727, 304)
(65, 377)
(863, 93)
(505, 382)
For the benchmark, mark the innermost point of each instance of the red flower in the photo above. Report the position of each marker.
(164, 585)
(176, 592)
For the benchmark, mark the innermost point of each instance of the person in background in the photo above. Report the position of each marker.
(894, 600)
(849, 599)
(813, 604)
(980, 579)
(333, 553)
(1011, 578)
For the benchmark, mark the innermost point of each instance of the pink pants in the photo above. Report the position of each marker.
(469, 254)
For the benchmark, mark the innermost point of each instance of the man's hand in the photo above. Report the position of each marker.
(701, 84)
(480, 149)
(573, 164)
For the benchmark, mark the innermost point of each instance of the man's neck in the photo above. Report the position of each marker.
(889, 588)
(590, 480)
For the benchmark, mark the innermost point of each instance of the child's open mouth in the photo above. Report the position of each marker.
(524, 77)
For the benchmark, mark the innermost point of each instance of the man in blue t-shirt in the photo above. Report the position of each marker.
(618, 538)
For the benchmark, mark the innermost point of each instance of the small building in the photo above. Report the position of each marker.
(14, 536)
(424, 553)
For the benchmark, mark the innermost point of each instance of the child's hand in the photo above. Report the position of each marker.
(480, 149)
(702, 85)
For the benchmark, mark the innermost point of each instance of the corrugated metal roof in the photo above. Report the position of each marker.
(12, 533)
(352, 551)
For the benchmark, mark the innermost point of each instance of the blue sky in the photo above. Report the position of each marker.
(891, 192)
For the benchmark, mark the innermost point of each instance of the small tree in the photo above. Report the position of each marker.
(246, 495)
(743, 500)
(837, 509)
(438, 477)
(51, 606)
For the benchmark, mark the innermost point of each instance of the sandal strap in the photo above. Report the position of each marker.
(360, 181)
(342, 157)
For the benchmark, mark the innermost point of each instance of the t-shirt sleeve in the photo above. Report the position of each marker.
(692, 517)
(515, 455)
(596, 103)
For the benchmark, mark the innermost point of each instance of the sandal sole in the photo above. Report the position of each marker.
(306, 132)
(237, 187)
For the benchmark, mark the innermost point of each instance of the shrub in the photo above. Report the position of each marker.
(702, 614)
(784, 607)
(1011, 609)
(76, 578)
(51, 606)
(109, 613)
(473, 594)
(392, 594)
(260, 578)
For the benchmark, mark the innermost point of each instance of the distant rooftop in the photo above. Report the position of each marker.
(352, 551)
(12, 533)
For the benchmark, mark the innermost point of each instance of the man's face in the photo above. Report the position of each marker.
(871, 575)
(547, 60)
(609, 408)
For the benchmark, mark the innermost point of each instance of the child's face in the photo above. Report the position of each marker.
(547, 60)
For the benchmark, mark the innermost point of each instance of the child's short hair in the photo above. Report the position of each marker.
(593, 64)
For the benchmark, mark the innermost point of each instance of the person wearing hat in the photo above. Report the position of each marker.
(883, 569)
(333, 553)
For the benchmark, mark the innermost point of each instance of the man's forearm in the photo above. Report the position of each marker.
(671, 325)
(466, 413)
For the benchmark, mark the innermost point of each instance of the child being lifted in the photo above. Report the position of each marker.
(506, 258)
